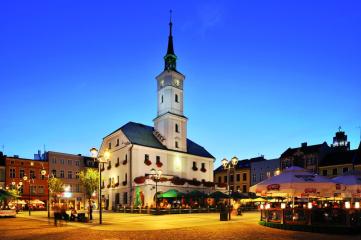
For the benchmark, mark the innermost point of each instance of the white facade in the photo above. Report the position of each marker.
(136, 149)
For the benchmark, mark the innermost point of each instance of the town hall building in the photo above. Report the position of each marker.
(137, 149)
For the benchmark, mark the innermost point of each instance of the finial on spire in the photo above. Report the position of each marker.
(170, 58)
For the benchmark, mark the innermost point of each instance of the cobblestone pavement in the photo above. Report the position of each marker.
(132, 226)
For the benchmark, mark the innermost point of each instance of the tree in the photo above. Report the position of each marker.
(89, 179)
(56, 187)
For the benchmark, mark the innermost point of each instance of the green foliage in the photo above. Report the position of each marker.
(138, 199)
(89, 179)
(56, 186)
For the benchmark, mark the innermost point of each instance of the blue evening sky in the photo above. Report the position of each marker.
(261, 76)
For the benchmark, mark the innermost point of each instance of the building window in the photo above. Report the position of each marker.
(76, 163)
(324, 172)
(334, 171)
(53, 160)
(254, 177)
(32, 174)
(219, 179)
(77, 188)
(345, 170)
(162, 99)
(41, 189)
(62, 174)
(176, 144)
(70, 162)
(77, 175)
(238, 177)
(70, 174)
(125, 198)
(244, 188)
(12, 172)
(176, 128)
(244, 176)
(176, 98)
(146, 157)
(53, 172)
(231, 179)
(225, 179)
(22, 173)
(62, 161)
(33, 189)
(117, 142)
(268, 174)
(109, 145)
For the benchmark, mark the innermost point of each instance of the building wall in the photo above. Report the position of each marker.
(264, 169)
(70, 165)
(21, 167)
(240, 179)
(337, 170)
(173, 164)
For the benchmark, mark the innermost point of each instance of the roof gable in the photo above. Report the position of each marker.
(141, 134)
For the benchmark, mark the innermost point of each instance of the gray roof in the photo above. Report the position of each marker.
(140, 134)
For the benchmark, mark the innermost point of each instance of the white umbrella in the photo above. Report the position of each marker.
(350, 184)
(36, 201)
(295, 182)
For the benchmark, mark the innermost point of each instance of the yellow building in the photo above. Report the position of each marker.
(239, 177)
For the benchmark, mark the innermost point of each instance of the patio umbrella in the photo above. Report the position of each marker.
(295, 182)
(238, 195)
(36, 201)
(196, 194)
(258, 200)
(349, 184)
(171, 193)
(218, 195)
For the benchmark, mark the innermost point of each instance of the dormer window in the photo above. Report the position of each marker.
(176, 98)
(176, 128)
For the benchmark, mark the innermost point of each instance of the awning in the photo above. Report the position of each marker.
(171, 193)
(218, 195)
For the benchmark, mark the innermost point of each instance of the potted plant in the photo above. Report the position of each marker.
(147, 162)
(139, 180)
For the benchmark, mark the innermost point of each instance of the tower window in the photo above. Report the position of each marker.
(176, 144)
(162, 99)
(176, 128)
(176, 98)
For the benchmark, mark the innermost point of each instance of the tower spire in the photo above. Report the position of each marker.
(170, 58)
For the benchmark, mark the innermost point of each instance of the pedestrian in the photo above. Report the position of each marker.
(90, 210)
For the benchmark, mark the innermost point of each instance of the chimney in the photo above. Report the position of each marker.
(304, 144)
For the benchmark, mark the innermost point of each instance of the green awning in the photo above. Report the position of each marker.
(171, 193)
(218, 195)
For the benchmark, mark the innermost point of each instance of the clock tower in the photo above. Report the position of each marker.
(170, 124)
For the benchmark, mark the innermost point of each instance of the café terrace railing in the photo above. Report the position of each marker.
(315, 216)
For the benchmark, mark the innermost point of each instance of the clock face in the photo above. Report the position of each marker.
(177, 82)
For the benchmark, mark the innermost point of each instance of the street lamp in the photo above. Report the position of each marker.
(228, 165)
(94, 153)
(43, 173)
(25, 178)
(157, 175)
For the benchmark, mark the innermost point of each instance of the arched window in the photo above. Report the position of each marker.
(176, 98)
(176, 128)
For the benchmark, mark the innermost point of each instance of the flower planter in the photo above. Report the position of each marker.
(194, 168)
(159, 164)
(204, 170)
(139, 180)
(124, 183)
(117, 164)
(147, 162)
(116, 185)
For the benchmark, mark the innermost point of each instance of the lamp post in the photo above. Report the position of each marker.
(100, 159)
(25, 178)
(228, 165)
(43, 173)
(157, 175)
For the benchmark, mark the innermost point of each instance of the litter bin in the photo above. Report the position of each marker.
(223, 215)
